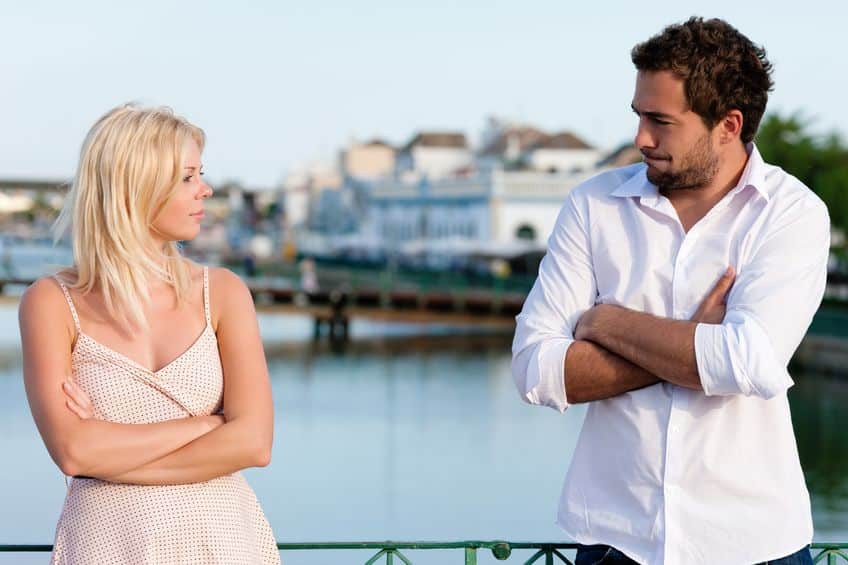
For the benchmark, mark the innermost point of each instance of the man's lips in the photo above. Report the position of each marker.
(654, 160)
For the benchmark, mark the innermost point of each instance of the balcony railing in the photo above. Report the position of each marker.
(541, 553)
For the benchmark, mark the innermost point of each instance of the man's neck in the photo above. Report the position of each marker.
(693, 204)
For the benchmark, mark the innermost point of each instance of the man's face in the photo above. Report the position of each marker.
(676, 145)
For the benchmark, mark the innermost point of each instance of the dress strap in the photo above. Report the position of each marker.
(70, 302)
(206, 296)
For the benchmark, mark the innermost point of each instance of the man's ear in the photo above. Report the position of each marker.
(730, 127)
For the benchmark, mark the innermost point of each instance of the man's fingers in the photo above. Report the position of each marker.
(723, 285)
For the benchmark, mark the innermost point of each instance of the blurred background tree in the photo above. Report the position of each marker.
(819, 161)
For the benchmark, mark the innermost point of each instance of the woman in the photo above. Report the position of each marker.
(145, 372)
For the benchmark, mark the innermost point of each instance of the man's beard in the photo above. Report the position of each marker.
(697, 169)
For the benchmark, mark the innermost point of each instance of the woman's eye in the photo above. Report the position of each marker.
(188, 178)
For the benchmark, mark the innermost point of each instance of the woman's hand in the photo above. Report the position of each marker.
(215, 420)
(80, 404)
(77, 400)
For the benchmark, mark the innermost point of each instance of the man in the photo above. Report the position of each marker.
(672, 296)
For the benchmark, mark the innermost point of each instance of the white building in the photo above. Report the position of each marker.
(369, 161)
(496, 207)
(562, 152)
(303, 191)
(514, 146)
(434, 156)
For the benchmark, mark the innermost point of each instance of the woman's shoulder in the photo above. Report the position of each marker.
(224, 280)
(46, 288)
(218, 276)
(229, 296)
(44, 296)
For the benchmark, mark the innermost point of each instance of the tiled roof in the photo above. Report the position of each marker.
(562, 140)
(438, 139)
(525, 136)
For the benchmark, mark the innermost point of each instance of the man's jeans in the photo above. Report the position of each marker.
(606, 555)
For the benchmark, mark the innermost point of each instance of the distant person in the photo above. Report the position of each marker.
(308, 276)
(672, 296)
(144, 371)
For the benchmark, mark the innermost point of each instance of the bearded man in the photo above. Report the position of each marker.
(671, 299)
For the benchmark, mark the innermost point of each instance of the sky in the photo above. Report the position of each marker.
(280, 85)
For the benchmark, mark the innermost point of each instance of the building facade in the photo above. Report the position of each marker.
(497, 206)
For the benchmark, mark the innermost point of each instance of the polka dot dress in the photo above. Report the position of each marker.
(214, 522)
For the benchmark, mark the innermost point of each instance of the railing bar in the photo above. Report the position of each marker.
(28, 548)
(423, 545)
(535, 557)
(562, 557)
(403, 558)
(828, 552)
(831, 552)
(376, 557)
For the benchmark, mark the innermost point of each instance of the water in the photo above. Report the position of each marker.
(409, 438)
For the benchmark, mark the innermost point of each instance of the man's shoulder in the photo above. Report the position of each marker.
(606, 182)
(790, 193)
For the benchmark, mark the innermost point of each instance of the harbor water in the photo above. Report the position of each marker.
(403, 435)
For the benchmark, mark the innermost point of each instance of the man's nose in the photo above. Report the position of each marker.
(644, 136)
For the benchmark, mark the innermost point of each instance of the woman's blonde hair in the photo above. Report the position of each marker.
(131, 163)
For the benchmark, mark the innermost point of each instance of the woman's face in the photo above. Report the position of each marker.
(180, 218)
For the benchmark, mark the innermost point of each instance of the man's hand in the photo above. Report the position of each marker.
(661, 346)
(710, 311)
(713, 306)
(591, 320)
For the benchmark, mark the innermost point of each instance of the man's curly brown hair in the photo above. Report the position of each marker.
(721, 69)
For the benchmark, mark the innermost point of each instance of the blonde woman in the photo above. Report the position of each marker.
(145, 372)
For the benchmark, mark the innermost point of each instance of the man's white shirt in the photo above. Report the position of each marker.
(667, 474)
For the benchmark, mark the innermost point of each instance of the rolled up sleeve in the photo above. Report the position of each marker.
(769, 308)
(563, 291)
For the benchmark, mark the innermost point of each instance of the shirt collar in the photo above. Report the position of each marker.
(754, 174)
(637, 185)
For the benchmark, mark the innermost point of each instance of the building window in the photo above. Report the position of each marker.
(526, 232)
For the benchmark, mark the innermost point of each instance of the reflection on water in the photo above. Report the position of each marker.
(819, 405)
(410, 438)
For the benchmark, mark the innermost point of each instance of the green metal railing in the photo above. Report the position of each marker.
(390, 552)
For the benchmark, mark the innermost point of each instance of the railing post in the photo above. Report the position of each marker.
(470, 556)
